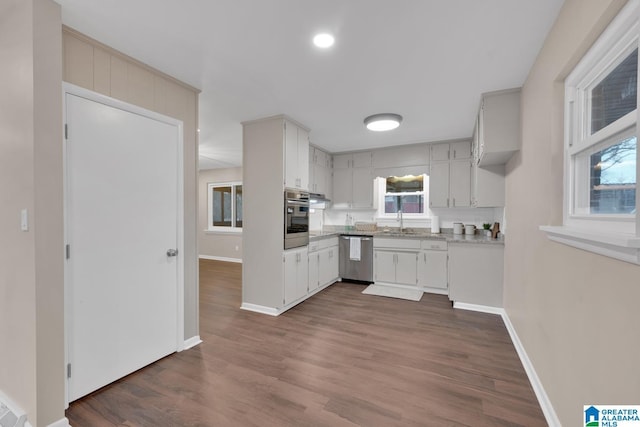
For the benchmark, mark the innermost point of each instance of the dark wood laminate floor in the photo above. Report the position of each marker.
(340, 358)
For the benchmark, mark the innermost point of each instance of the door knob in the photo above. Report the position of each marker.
(172, 252)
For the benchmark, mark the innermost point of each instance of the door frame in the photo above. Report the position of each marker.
(68, 88)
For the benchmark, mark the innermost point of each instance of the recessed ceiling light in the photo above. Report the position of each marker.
(382, 122)
(323, 40)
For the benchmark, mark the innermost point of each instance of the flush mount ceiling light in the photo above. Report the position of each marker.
(323, 40)
(382, 122)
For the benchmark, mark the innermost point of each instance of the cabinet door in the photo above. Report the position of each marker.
(439, 185)
(302, 274)
(314, 271)
(291, 156)
(324, 267)
(303, 159)
(290, 266)
(333, 266)
(328, 183)
(460, 184)
(385, 266)
(432, 269)
(342, 161)
(362, 190)
(342, 187)
(439, 152)
(319, 182)
(406, 268)
(460, 150)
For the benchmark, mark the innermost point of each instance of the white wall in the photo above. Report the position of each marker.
(211, 244)
(575, 312)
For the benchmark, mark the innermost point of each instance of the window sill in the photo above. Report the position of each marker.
(625, 247)
(233, 231)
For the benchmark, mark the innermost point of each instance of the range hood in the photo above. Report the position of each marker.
(318, 201)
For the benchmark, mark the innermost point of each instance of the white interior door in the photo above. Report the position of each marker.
(122, 211)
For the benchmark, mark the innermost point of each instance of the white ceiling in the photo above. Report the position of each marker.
(427, 60)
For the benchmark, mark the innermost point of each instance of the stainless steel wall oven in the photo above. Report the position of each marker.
(296, 218)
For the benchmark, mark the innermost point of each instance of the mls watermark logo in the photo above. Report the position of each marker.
(611, 415)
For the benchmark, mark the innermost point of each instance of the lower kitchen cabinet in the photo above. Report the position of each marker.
(476, 273)
(323, 263)
(296, 274)
(432, 266)
(328, 270)
(396, 261)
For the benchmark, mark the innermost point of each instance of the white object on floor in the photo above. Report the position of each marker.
(392, 292)
(354, 248)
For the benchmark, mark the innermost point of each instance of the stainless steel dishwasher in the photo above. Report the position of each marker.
(356, 258)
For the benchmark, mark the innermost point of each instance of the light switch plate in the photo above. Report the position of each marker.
(24, 220)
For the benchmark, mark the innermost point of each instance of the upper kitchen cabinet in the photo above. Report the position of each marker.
(487, 182)
(498, 127)
(450, 175)
(353, 180)
(296, 154)
(320, 174)
(459, 150)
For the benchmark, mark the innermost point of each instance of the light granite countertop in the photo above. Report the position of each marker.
(416, 233)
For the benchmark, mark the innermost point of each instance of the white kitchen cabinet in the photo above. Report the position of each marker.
(314, 271)
(487, 182)
(476, 273)
(320, 174)
(353, 180)
(450, 180)
(398, 157)
(323, 263)
(395, 267)
(460, 184)
(432, 266)
(395, 261)
(328, 265)
(440, 153)
(498, 126)
(296, 154)
(296, 274)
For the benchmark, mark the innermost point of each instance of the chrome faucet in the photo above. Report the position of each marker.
(399, 218)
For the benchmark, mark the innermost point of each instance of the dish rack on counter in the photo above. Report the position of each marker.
(365, 226)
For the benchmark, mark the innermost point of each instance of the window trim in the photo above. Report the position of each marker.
(381, 189)
(615, 236)
(218, 229)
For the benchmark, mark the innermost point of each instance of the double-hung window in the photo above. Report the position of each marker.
(403, 193)
(225, 206)
(601, 156)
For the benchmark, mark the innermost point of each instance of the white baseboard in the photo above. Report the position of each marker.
(192, 342)
(480, 308)
(64, 422)
(260, 309)
(220, 258)
(543, 399)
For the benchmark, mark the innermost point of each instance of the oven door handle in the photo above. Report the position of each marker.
(296, 203)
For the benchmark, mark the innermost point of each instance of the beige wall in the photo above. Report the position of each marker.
(31, 263)
(94, 66)
(575, 312)
(216, 245)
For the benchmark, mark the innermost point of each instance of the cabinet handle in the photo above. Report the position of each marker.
(454, 154)
(454, 202)
(447, 202)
